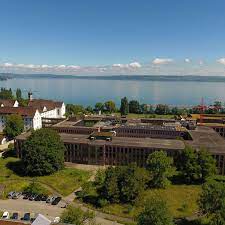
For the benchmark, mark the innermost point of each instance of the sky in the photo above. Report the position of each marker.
(100, 37)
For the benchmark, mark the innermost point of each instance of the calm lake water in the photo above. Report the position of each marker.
(88, 92)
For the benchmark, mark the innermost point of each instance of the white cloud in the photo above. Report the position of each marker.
(45, 66)
(8, 65)
(74, 67)
(221, 61)
(201, 62)
(158, 61)
(187, 60)
(61, 67)
(135, 65)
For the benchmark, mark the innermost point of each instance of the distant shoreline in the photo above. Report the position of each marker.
(168, 78)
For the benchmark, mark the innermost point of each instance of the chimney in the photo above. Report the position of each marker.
(30, 96)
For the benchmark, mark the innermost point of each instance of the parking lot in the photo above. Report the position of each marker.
(34, 207)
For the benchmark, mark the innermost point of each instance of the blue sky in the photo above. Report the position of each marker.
(113, 37)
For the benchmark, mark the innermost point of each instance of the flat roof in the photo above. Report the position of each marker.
(172, 144)
(206, 137)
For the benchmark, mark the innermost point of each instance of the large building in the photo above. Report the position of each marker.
(115, 141)
(33, 114)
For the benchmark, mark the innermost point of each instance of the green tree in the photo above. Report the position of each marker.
(124, 108)
(212, 199)
(18, 94)
(76, 216)
(13, 126)
(134, 106)
(89, 109)
(74, 109)
(124, 183)
(6, 93)
(160, 168)
(132, 182)
(110, 189)
(187, 164)
(162, 109)
(196, 166)
(207, 164)
(110, 106)
(99, 106)
(155, 212)
(43, 153)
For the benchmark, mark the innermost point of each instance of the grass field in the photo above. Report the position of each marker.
(63, 182)
(181, 200)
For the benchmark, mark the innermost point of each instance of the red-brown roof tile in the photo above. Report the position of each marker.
(7, 102)
(23, 111)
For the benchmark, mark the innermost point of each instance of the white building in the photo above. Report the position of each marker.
(31, 116)
(48, 108)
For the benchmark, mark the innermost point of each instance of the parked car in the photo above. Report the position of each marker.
(5, 215)
(50, 199)
(26, 195)
(26, 217)
(44, 198)
(56, 220)
(32, 197)
(10, 194)
(16, 195)
(56, 201)
(15, 216)
(64, 206)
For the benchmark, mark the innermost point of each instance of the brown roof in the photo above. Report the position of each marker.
(23, 111)
(41, 103)
(8, 222)
(7, 102)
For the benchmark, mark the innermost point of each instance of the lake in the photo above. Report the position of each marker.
(88, 92)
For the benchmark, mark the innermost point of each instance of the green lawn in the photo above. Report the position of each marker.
(181, 200)
(63, 182)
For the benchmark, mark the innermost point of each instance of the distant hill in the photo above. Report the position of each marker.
(127, 77)
(5, 76)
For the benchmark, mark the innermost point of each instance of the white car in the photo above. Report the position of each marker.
(56, 220)
(5, 215)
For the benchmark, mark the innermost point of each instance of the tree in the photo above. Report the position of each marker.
(99, 106)
(134, 106)
(123, 184)
(74, 109)
(13, 126)
(162, 109)
(196, 166)
(18, 94)
(43, 153)
(212, 199)
(76, 216)
(124, 108)
(132, 182)
(188, 165)
(160, 167)
(89, 109)
(110, 106)
(6, 93)
(110, 189)
(155, 213)
(207, 164)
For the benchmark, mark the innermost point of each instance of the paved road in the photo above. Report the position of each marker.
(22, 206)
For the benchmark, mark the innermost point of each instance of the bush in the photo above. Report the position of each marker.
(76, 216)
(35, 188)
